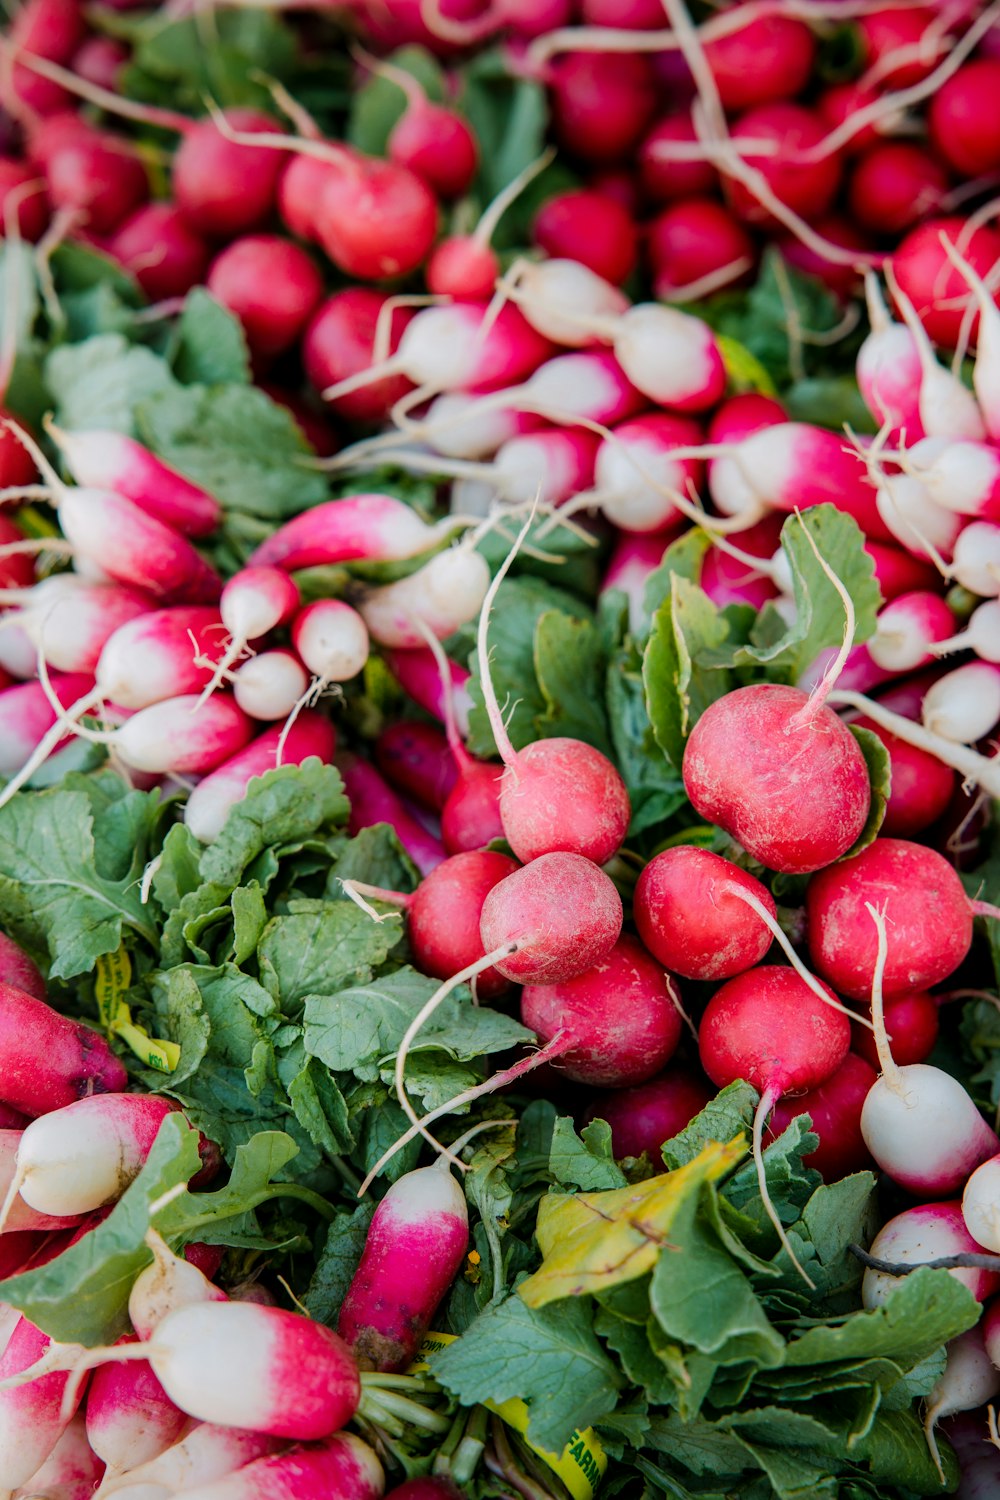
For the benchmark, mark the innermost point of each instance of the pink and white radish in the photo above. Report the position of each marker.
(21, 1218)
(913, 519)
(415, 758)
(70, 620)
(207, 1451)
(357, 528)
(792, 465)
(414, 1249)
(930, 1231)
(48, 1061)
(255, 601)
(165, 653)
(340, 1468)
(888, 368)
(981, 634)
(373, 801)
(975, 562)
(29, 723)
(970, 1379)
(33, 1414)
(417, 673)
(635, 472)
(101, 460)
(443, 595)
(169, 1282)
(129, 1418)
(72, 1471)
(179, 736)
(964, 705)
(958, 475)
(561, 298)
(907, 631)
(269, 685)
(208, 806)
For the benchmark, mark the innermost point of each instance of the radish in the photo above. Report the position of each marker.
(271, 285)
(961, 119)
(209, 804)
(962, 476)
(375, 218)
(947, 408)
(443, 595)
(645, 1117)
(691, 921)
(889, 368)
(895, 185)
(538, 913)
(177, 736)
(110, 461)
(22, 196)
(98, 177)
(622, 1014)
(668, 173)
(970, 1379)
(986, 370)
(70, 620)
(562, 299)
(751, 747)
(157, 246)
(130, 1418)
(206, 1452)
(332, 640)
(239, 1364)
(100, 59)
(807, 188)
(369, 528)
(373, 801)
(552, 465)
(907, 631)
(964, 705)
(339, 344)
(586, 227)
(834, 1110)
(465, 266)
(19, 972)
(900, 47)
(422, 1222)
(930, 1231)
(255, 601)
(35, 1414)
(78, 1158)
(728, 579)
(430, 139)
(444, 913)
(633, 558)
(977, 1456)
(737, 1039)
(635, 472)
(72, 1471)
(920, 786)
(167, 1283)
(222, 186)
(697, 247)
(791, 465)
(29, 725)
(911, 1024)
(927, 277)
(268, 686)
(415, 759)
(585, 387)
(769, 57)
(17, 569)
(48, 1061)
(601, 103)
(975, 561)
(53, 28)
(912, 518)
(896, 571)
(21, 1218)
(163, 653)
(417, 673)
(341, 1468)
(981, 634)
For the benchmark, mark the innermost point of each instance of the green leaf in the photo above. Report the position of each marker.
(724, 1117)
(569, 668)
(879, 765)
(678, 687)
(655, 789)
(337, 1263)
(235, 442)
(379, 103)
(924, 1311)
(330, 947)
(832, 401)
(18, 291)
(509, 116)
(209, 346)
(586, 1160)
(550, 1358)
(897, 1453)
(287, 804)
(102, 382)
(321, 1109)
(51, 896)
(172, 64)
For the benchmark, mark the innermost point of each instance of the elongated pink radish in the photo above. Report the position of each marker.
(20, 971)
(689, 919)
(445, 594)
(907, 631)
(986, 368)
(888, 368)
(589, 386)
(72, 1470)
(101, 460)
(981, 634)
(130, 1418)
(792, 465)
(414, 757)
(929, 1231)
(415, 1247)
(417, 673)
(737, 1039)
(964, 705)
(255, 601)
(634, 471)
(341, 1468)
(162, 654)
(622, 1015)
(33, 1415)
(834, 1110)
(559, 297)
(27, 716)
(78, 1158)
(206, 810)
(169, 1282)
(269, 685)
(560, 915)
(373, 801)
(913, 518)
(206, 1452)
(444, 915)
(70, 620)
(970, 1379)
(368, 528)
(896, 571)
(241, 1364)
(456, 425)
(958, 475)
(785, 739)
(49, 1061)
(553, 465)
(647, 1116)
(556, 795)
(21, 1217)
(920, 787)
(947, 408)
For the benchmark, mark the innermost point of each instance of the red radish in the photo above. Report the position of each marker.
(53, 29)
(911, 1023)
(929, 914)
(255, 601)
(209, 804)
(894, 186)
(421, 1223)
(271, 285)
(100, 59)
(896, 572)
(221, 186)
(167, 1283)
(268, 686)
(428, 1488)
(541, 908)
(368, 528)
(970, 1380)
(964, 705)
(72, 1471)
(373, 801)
(28, 719)
(807, 188)
(961, 118)
(21, 973)
(34, 1415)
(339, 342)
(340, 1468)
(908, 629)
(111, 461)
(48, 1061)
(417, 673)
(17, 570)
(646, 1117)
(639, 15)
(241, 1364)
(161, 250)
(769, 57)
(745, 753)
(927, 1232)
(444, 915)
(738, 1036)
(375, 219)
(696, 247)
(838, 238)
(461, 267)
(587, 227)
(22, 194)
(430, 139)
(130, 1418)
(920, 787)
(834, 1109)
(602, 103)
(622, 1015)
(889, 368)
(164, 653)
(937, 290)
(98, 176)
(443, 595)
(901, 46)
(414, 758)
(689, 919)
(666, 172)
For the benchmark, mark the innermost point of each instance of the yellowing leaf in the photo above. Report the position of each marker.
(593, 1241)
